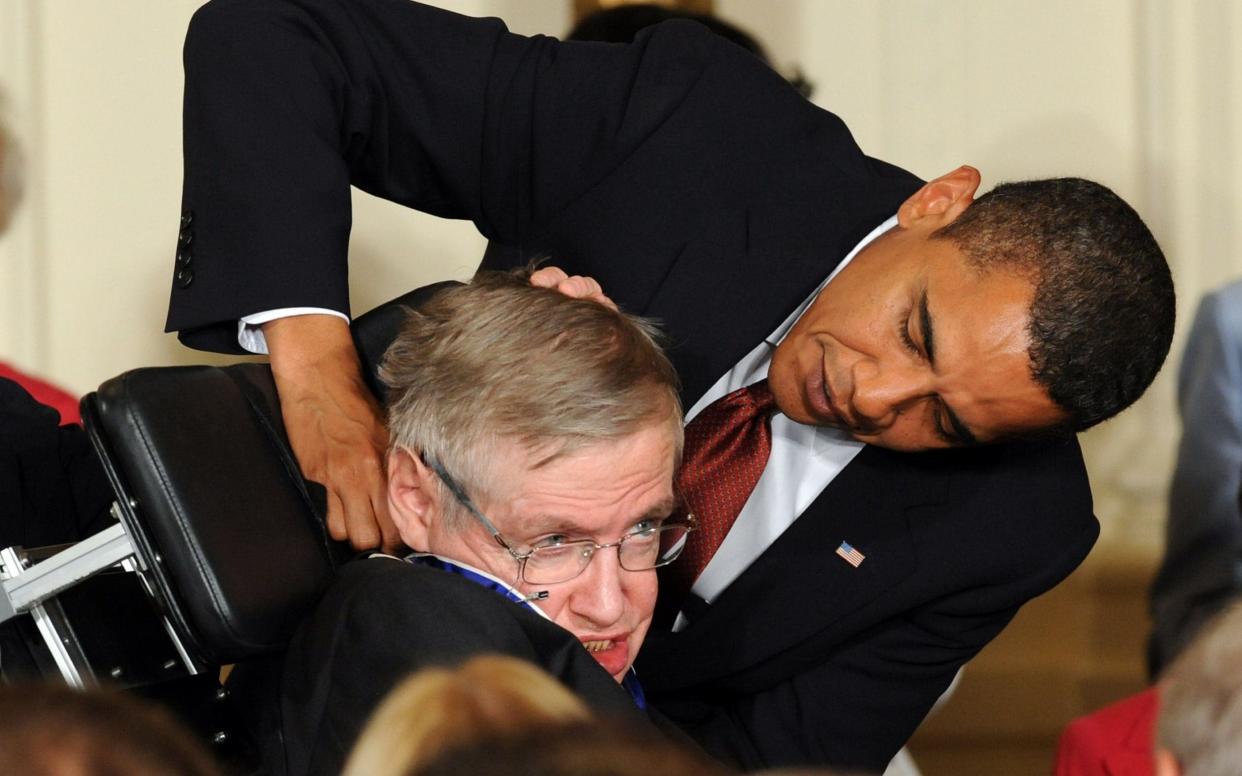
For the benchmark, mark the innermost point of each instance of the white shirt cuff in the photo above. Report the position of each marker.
(250, 335)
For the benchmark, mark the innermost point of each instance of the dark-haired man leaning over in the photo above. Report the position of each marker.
(533, 443)
(838, 582)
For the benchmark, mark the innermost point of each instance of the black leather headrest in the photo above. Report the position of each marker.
(212, 495)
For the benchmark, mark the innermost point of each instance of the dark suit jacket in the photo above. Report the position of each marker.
(700, 189)
(383, 619)
(53, 490)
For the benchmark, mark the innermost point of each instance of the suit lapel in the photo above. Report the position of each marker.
(800, 588)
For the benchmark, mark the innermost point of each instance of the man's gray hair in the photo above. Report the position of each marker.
(1200, 720)
(499, 359)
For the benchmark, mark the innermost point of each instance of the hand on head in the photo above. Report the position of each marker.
(574, 286)
(335, 426)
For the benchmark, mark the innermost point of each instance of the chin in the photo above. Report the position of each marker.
(789, 399)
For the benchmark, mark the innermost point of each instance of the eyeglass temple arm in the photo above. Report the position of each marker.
(459, 493)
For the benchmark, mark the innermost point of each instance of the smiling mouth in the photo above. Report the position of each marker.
(821, 396)
(612, 654)
(850, 424)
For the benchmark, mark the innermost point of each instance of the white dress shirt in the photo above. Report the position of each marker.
(250, 332)
(803, 460)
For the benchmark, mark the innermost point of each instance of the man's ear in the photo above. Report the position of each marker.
(941, 200)
(413, 498)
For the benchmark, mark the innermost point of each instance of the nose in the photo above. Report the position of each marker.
(881, 392)
(598, 598)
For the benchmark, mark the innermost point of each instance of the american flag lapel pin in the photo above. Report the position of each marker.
(851, 555)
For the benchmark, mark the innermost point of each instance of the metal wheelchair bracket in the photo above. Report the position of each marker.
(25, 588)
(62, 642)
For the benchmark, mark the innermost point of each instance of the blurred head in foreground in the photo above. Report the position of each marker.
(440, 709)
(576, 749)
(52, 730)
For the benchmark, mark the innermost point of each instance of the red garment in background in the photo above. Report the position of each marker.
(45, 393)
(1117, 740)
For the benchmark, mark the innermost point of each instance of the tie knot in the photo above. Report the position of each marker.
(760, 397)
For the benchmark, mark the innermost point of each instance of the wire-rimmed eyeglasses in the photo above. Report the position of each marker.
(643, 549)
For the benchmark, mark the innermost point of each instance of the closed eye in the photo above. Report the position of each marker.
(945, 435)
(903, 332)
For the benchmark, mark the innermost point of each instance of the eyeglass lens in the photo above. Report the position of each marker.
(638, 551)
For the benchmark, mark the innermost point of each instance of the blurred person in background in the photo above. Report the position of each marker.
(1202, 566)
(1199, 728)
(1188, 722)
(64, 402)
(53, 488)
(53, 730)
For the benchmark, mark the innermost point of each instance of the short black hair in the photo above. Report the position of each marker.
(1102, 316)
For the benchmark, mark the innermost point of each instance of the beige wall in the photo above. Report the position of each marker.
(1141, 95)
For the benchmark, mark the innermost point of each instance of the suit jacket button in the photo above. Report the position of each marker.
(184, 277)
(184, 257)
(186, 237)
(187, 218)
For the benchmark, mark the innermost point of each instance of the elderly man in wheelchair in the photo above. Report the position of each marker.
(534, 441)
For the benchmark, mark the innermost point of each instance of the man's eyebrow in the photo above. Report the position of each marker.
(540, 524)
(962, 433)
(664, 508)
(925, 323)
(549, 524)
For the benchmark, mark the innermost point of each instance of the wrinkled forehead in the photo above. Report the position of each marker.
(596, 488)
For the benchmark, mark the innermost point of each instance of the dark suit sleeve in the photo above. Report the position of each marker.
(54, 488)
(287, 104)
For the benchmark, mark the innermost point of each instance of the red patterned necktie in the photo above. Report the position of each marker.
(726, 450)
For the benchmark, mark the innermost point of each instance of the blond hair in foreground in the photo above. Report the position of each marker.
(440, 709)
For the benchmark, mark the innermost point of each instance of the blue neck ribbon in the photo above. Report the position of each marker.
(630, 683)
